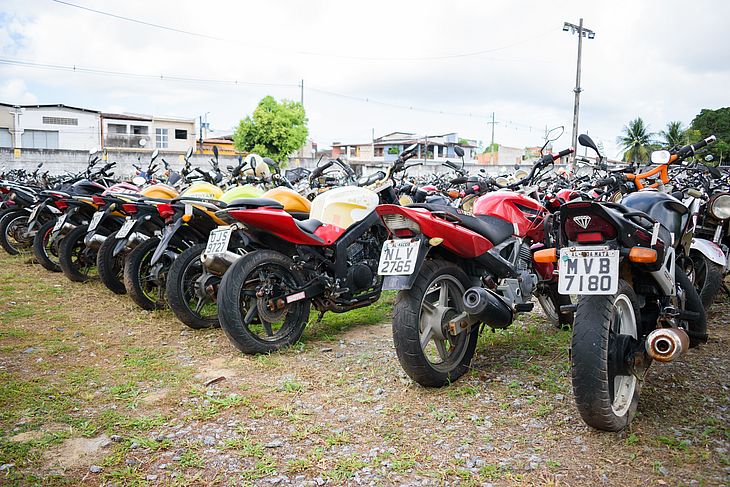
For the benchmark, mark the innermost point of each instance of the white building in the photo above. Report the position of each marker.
(49, 127)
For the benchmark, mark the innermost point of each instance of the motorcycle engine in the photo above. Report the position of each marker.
(362, 263)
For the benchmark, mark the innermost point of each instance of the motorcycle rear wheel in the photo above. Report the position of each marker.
(551, 301)
(11, 223)
(77, 261)
(606, 400)
(245, 287)
(111, 267)
(191, 306)
(427, 353)
(46, 250)
(140, 278)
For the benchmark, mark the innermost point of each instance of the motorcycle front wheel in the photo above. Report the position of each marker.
(550, 301)
(111, 267)
(77, 261)
(426, 350)
(606, 394)
(45, 249)
(144, 282)
(251, 303)
(192, 305)
(13, 232)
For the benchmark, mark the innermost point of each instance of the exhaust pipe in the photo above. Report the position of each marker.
(218, 264)
(488, 307)
(667, 344)
(95, 241)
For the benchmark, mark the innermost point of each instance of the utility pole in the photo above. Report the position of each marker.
(301, 94)
(492, 123)
(582, 32)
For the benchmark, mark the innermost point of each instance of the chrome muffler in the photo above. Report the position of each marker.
(218, 264)
(488, 307)
(667, 344)
(95, 241)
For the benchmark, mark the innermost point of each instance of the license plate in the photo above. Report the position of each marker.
(59, 223)
(95, 220)
(218, 240)
(398, 257)
(126, 228)
(34, 213)
(586, 270)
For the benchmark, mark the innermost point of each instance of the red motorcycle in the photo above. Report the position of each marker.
(454, 271)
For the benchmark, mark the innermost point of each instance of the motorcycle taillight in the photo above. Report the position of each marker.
(398, 223)
(588, 229)
(4, 190)
(61, 204)
(165, 210)
(98, 200)
(129, 208)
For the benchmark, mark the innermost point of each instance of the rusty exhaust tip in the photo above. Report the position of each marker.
(667, 344)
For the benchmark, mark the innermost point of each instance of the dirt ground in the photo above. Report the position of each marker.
(95, 391)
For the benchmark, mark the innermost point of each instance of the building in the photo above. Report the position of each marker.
(130, 131)
(430, 148)
(49, 127)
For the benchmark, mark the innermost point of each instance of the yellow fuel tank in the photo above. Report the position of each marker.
(344, 206)
(160, 191)
(292, 201)
(202, 189)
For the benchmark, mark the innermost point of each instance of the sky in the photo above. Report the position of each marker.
(374, 67)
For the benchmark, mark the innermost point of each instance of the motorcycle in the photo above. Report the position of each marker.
(635, 305)
(328, 261)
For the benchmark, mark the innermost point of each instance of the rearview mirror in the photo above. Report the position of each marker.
(139, 181)
(215, 151)
(660, 157)
(714, 172)
(709, 158)
(189, 153)
(410, 148)
(586, 141)
(554, 134)
(155, 153)
(459, 151)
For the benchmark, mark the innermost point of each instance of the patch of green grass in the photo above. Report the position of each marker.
(149, 443)
(245, 446)
(190, 459)
(462, 391)
(262, 468)
(631, 440)
(493, 472)
(128, 476)
(334, 324)
(309, 462)
(215, 405)
(14, 333)
(291, 386)
(345, 468)
(673, 443)
(337, 438)
(19, 311)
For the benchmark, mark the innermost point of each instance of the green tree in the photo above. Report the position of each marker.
(674, 135)
(717, 123)
(276, 129)
(636, 141)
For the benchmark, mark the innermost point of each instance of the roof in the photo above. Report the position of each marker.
(127, 116)
(174, 119)
(58, 105)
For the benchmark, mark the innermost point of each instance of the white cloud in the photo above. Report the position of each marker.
(14, 91)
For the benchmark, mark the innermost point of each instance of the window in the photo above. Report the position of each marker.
(6, 140)
(115, 128)
(60, 121)
(378, 152)
(161, 138)
(181, 134)
(141, 130)
(39, 139)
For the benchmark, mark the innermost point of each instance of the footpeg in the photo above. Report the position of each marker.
(569, 308)
(524, 307)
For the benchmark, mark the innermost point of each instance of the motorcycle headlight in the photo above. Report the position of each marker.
(719, 206)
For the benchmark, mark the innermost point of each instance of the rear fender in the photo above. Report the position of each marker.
(167, 233)
(710, 250)
(398, 283)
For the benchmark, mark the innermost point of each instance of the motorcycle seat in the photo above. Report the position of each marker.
(309, 225)
(255, 203)
(495, 229)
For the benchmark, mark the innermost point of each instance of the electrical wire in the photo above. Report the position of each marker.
(303, 52)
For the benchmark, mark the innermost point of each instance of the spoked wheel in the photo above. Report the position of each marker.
(145, 282)
(111, 267)
(77, 261)
(606, 391)
(14, 236)
(550, 301)
(190, 290)
(252, 305)
(45, 249)
(428, 353)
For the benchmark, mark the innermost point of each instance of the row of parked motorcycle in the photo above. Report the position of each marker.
(630, 260)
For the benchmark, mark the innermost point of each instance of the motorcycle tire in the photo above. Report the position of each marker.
(195, 311)
(697, 328)
(110, 267)
(76, 260)
(605, 400)
(142, 287)
(433, 364)
(46, 250)
(708, 278)
(8, 225)
(238, 304)
(551, 301)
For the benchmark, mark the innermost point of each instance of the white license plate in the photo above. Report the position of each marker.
(95, 220)
(59, 223)
(398, 257)
(588, 270)
(34, 213)
(126, 228)
(218, 240)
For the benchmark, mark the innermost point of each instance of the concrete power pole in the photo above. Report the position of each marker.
(582, 32)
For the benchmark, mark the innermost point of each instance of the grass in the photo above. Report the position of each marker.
(334, 324)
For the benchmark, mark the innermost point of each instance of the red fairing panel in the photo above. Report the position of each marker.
(526, 213)
(329, 233)
(276, 222)
(459, 240)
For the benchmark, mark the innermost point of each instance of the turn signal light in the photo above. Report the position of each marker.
(129, 208)
(165, 210)
(545, 256)
(642, 255)
(98, 200)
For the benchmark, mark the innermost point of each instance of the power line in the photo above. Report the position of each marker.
(303, 52)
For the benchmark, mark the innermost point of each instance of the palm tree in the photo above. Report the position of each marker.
(674, 135)
(636, 141)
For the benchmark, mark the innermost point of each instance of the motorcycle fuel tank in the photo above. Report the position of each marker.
(344, 206)
(525, 213)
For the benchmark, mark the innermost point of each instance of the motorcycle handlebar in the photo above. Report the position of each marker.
(320, 169)
(563, 153)
(689, 150)
(461, 180)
